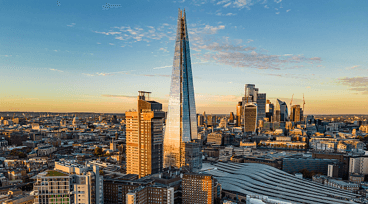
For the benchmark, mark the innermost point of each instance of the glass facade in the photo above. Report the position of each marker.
(181, 125)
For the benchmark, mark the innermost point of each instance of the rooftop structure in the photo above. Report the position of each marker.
(259, 179)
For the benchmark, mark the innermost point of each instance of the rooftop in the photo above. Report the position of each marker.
(55, 173)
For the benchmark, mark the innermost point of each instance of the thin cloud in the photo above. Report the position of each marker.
(56, 70)
(71, 25)
(118, 96)
(359, 84)
(104, 73)
(163, 67)
(353, 67)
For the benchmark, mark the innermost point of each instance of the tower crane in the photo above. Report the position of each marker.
(303, 103)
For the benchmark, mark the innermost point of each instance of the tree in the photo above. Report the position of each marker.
(98, 151)
(101, 172)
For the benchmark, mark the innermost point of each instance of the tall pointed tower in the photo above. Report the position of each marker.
(181, 125)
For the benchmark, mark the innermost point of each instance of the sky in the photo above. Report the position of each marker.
(94, 56)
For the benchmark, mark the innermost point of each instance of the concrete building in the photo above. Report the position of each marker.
(69, 183)
(214, 138)
(150, 194)
(144, 134)
(359, 165)
(333, 170)
(198, 189)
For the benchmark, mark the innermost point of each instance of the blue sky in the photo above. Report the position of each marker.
(79, 56)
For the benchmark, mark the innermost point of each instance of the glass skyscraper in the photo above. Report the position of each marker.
(181, 124)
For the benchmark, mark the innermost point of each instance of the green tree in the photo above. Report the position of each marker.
(98, 151)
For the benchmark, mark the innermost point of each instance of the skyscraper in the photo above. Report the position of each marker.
(144, 145)
(250, 117)
(269, 110)
(281, 111)
(251, 95)
(181, 125)
(296, 113)
(239, 113)
(231, 118)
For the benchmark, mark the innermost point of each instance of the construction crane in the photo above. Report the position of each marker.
(291, 102)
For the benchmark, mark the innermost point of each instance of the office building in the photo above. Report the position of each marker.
(250, 117)
(69, 183)
(211, 120)
(252, 95)
(281, 111)
(200, 120)
(151, 194)
(144, 137)
(214, 138)
(333, 170)
(181, 126)
(269, 111)
(296, 113)
(358, 165)
(231, 118)
(239, 114)
(198, 188)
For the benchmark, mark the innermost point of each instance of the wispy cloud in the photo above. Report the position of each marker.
(105, 73)
(111, 44)
(228, 53)
(6, 55)
(225, 14)
(359, 84)
(71, 25)
(56, 70)
(200, 97)
(163, 67)
(353, 67)
(164, 49)
(118, 96)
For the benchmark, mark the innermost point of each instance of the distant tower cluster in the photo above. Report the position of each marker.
(251, 109)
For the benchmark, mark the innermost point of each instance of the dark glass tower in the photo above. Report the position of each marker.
(181, 125)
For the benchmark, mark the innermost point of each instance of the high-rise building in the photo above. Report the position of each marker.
(69, 183)
(239, 114)
(296, 113)
(231, 118)
(211, 120)
(199, 188)
(250, 117)
(252, 95)
(200, 120)
(261, 106)
(281, 111)
(269, 110)
(181, 126)
(144, 137)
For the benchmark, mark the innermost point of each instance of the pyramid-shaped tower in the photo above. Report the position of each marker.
(181, 123)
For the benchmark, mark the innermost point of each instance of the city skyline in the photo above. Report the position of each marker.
(91, 58)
